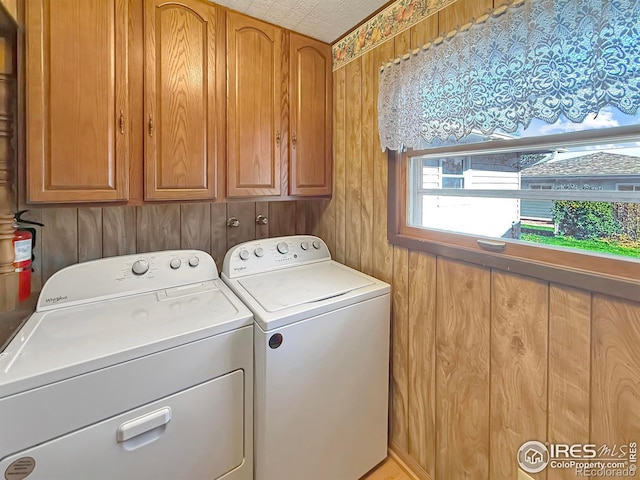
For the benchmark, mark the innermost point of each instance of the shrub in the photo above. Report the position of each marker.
(585, 220)
(628, 217)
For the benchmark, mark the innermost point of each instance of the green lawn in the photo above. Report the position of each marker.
(538, 227)
(592, 245)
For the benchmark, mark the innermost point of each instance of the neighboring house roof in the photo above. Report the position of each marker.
(600, 163)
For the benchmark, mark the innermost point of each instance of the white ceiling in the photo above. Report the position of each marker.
(326, 20)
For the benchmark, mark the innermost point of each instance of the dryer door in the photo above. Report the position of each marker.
(196, 433)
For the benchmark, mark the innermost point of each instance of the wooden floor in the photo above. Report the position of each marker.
(388, 470)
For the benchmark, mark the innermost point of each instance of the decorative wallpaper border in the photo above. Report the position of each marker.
(394, 19)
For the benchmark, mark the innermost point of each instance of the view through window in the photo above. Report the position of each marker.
(576, 194)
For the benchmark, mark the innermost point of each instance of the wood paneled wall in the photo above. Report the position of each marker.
(482, 360)
(73, 235)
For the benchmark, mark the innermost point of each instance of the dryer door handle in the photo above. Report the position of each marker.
(143, 424)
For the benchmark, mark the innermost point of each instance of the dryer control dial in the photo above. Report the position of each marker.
(175, 263)
(259, 252)
(140, 267)
(194, 261)
(316, 244)
(304, 245)
(244, 254)
(283, 248)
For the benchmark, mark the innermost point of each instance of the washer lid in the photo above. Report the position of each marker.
(65, 342)
(279, 290)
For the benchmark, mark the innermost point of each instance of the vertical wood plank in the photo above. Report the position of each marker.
(399, 351)
(282, 218)
(353, 167)
(422, 364)
(158, 227)
(89, 234)
(195, 226)
(403, 43)
(461, 12)
(339, 142)
(218, 232)
(569, 369)
(382, 251)
(246, 214)
(424, 31)
(519, 356)
(262, 231)
(309, 218)
(118, 231)
(302, 212)
(314, 214)
(462, 371)
(59, 240)
(369, 70)
(615, 385)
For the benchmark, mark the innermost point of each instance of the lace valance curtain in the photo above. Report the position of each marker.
(539, 59)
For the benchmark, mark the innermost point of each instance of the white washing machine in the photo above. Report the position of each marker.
(133, 367)
(321, 359)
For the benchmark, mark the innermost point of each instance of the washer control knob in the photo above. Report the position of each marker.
(316, 244)
(244, 254)
(140, 267)
(304, 245)
(194, 261)
(283, 248)
(175, 263)
(259, 252)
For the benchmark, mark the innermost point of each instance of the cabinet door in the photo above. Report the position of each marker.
(180, 100)
(255, 136)
(76, 96)
(310, 152)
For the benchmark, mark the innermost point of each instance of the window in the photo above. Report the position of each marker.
(628, 187)
(523, 150)
(452, 172)
(560, 198)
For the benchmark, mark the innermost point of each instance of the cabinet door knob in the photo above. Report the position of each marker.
(294, 140)
(233, 222)
(262, 220)
(150, 126)
(122, 122)
(278, 139)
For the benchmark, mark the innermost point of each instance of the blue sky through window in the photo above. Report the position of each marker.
(608, 117)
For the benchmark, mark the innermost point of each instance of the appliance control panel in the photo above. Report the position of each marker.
(126, 275)
(265, 255)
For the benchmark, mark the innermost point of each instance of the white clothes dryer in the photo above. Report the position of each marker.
(133, 367)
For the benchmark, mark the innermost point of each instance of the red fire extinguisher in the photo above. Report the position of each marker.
(24, 241)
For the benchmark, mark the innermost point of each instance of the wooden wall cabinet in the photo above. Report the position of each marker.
(279, 111)
(254, 110)
(195, 80)
(76, 96)
(311, 120)
(181, 100)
